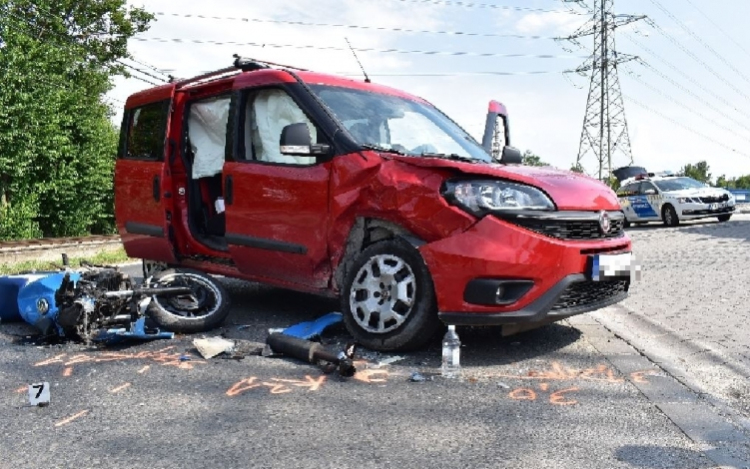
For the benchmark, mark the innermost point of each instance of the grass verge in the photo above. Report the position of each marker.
(108, 257)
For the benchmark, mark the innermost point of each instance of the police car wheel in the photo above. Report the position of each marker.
(626, 223)
(669, 215)
(723, 218)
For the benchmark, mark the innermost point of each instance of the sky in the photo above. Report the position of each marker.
(686, 98)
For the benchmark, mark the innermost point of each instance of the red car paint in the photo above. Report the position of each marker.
(311, 212)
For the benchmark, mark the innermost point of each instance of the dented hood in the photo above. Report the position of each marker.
(568, 190)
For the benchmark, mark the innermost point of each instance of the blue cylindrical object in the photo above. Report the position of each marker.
(10, 285)
(36, 300)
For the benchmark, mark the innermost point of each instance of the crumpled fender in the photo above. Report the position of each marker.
(391, 191)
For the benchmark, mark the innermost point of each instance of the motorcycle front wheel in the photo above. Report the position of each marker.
(202, 310)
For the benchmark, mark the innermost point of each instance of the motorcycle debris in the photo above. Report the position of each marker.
(213, 346)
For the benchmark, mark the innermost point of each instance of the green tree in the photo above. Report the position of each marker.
(577, 168)
(530, 159)
(57, 145)
(699, 171)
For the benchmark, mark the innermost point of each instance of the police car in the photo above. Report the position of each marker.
(672, 199)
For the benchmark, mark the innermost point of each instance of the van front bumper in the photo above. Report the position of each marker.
(542, 277)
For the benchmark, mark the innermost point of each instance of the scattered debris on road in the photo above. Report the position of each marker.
(314, 352)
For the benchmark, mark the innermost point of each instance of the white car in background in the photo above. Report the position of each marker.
(672, 199)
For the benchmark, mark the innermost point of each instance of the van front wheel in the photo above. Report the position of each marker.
(388, 299)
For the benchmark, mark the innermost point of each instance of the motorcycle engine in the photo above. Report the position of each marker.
(84, 306)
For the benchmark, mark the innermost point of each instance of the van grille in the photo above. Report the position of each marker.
(572, 229)
(587, 294)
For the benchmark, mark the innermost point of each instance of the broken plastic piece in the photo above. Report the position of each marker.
(310, 329)
(213, 346)
(137, 331)
(417, 377)
(185, 358)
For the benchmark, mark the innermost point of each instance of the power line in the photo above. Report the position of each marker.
(485, 5)
(334, 48)
(640, 104)
(699, 39)
(697, 59)
(697, 97)
(352, 26)
(435, 74)
(683, 105)
(686, 76)
(141, 71)
(719, 27)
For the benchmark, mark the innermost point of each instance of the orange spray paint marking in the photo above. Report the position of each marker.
(311, 383)
(144, 369)
(71, 418)
(277, 388)
(557, 397)
(366, 376)
(639, 376)
(242, 386)
(21, 389)
(68, 371)
(544, 386)
(119, 388)
(523, 394)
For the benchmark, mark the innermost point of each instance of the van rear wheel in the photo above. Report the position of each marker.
(389, 300)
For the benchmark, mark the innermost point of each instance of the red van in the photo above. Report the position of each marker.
(351, 189)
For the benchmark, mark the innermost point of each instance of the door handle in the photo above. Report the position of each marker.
(157, 188)
(228, 190)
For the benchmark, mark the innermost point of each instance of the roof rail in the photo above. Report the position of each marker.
(241, 64)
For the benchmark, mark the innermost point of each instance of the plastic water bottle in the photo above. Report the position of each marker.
(451, 354)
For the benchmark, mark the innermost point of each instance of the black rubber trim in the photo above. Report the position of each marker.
(535, 312)
(144, 229)
(262, 243)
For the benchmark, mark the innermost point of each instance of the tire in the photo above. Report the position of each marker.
(626, 223)
(212, 302)
(669, 216)
(416, 324)
(723, 218)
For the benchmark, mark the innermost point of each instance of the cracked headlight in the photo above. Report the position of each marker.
(482, 197)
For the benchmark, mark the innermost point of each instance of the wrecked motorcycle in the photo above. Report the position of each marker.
(103, 304)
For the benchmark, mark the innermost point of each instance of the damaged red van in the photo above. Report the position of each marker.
(355, 190)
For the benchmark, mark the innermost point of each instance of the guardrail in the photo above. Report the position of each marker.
(51, 249)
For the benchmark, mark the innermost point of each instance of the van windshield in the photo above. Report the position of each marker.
(400, 125)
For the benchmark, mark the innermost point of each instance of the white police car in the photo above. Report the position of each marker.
(672, 199)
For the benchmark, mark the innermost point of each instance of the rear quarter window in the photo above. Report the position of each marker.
(145, 131)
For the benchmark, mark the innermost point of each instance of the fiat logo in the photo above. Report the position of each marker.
(604, 222)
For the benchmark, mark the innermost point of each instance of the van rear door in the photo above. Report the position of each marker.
(143, 198)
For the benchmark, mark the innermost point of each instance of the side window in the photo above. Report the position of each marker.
(267, 112)
(147, 131)
(628, 190)
(207, 135)
(648, 189)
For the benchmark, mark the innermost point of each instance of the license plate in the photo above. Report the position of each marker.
(611, 266)
(718, 206)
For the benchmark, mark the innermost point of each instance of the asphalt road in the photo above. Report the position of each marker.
(568, 395)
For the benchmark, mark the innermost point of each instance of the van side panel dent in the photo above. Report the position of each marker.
(392, 193)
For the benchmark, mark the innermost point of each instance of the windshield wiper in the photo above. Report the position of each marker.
(370, 146)
(452, 156)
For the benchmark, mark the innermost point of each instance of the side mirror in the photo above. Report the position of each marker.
(511, 155)
(295, 141)
(495, 110)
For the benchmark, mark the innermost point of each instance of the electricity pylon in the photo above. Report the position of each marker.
(605, 129)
